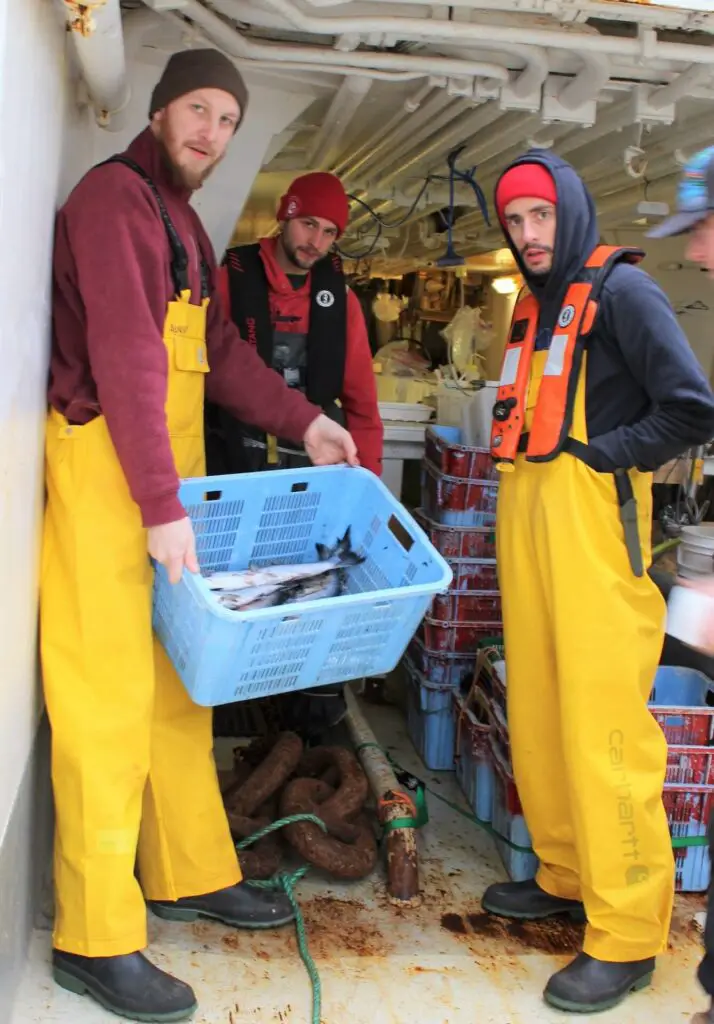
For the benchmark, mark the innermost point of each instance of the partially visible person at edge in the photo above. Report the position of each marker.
(599, 388)
(695, 219)
(288, 297)
(138, 335)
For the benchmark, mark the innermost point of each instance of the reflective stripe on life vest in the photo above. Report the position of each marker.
(553, 414)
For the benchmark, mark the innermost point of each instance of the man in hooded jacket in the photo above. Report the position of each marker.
(599, 388)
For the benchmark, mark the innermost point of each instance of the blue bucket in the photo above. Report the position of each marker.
(680, 688)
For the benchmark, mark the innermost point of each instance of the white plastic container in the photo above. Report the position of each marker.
(411, 412)
(470, 408)
(690, 616)
(695, 554)
(477, 416)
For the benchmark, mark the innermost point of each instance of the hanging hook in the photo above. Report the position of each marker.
(635, 160)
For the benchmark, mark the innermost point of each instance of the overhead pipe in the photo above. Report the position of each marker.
(412, 103)
(343, 108)
(230, 41)
(612, 120)
(495, 164)
(633, 194)
(444, 143)
(524, 83)
(646, 46)
(654, 150)
(680, 87)
(379, 136)
(608, 184)
(694, 130)
(444, 111)
(431, 113)
(586, 85)
(535, 72)
(237, 43)
(96, 31)
(504, 133)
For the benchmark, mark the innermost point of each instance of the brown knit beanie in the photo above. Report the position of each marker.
(198, 69)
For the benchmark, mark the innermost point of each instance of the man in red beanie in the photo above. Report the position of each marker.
(599, 387)
(288, 297)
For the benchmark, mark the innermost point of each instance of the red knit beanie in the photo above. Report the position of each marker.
(524, 181)
(316, 195)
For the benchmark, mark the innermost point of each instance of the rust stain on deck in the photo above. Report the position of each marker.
(556, 936)
(342, 927)
(454, 923)
(487, 935)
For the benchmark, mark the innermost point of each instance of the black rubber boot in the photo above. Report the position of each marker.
(591, 986)
(130, 986)
(241, 906)
(526, 901)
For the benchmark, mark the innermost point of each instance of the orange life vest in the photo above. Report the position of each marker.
(553, 414)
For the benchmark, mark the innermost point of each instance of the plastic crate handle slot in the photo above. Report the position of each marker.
(212, 495)
(400, 532)
(299, 487)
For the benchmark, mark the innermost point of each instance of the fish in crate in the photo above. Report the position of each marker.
(268, 586)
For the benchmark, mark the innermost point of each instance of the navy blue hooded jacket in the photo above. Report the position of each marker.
(646, 398)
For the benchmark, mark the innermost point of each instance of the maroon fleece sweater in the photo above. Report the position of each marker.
(111, 286)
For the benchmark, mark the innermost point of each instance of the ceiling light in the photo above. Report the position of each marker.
(504, 285)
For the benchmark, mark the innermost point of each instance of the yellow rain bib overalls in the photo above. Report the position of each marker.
(583, 637)
(132, 756)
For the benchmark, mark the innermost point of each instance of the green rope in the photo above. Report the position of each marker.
(286, 882)
(679, 843)
(666, 545)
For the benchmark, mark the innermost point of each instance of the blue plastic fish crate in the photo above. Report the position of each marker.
(679, 703)
(430, 720)
(474, 771)
(508, 821)
(439, 667)
(224, 656)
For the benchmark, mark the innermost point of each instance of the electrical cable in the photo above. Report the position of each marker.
(467, 177)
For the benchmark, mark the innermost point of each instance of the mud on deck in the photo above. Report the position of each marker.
(444, 962)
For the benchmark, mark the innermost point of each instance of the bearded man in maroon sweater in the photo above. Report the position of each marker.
(138, 341)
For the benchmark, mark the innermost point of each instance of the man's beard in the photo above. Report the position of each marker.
(183, 177)
(295, 258)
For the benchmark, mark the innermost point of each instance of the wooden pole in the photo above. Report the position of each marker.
(401, 845)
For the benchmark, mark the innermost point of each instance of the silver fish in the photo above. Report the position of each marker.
(338, 557)
(249, 597)
(250, 589)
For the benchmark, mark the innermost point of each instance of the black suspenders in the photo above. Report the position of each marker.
(179, 257)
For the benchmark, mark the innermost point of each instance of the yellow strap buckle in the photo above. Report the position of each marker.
(271, 449)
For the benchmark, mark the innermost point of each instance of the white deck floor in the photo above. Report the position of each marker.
(381, 966)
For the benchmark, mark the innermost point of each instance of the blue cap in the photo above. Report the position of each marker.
(695, 197)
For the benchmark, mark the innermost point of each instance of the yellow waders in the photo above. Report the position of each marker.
(132, 756)
(583, 638)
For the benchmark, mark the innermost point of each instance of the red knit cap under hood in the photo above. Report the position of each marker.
(524, 181)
